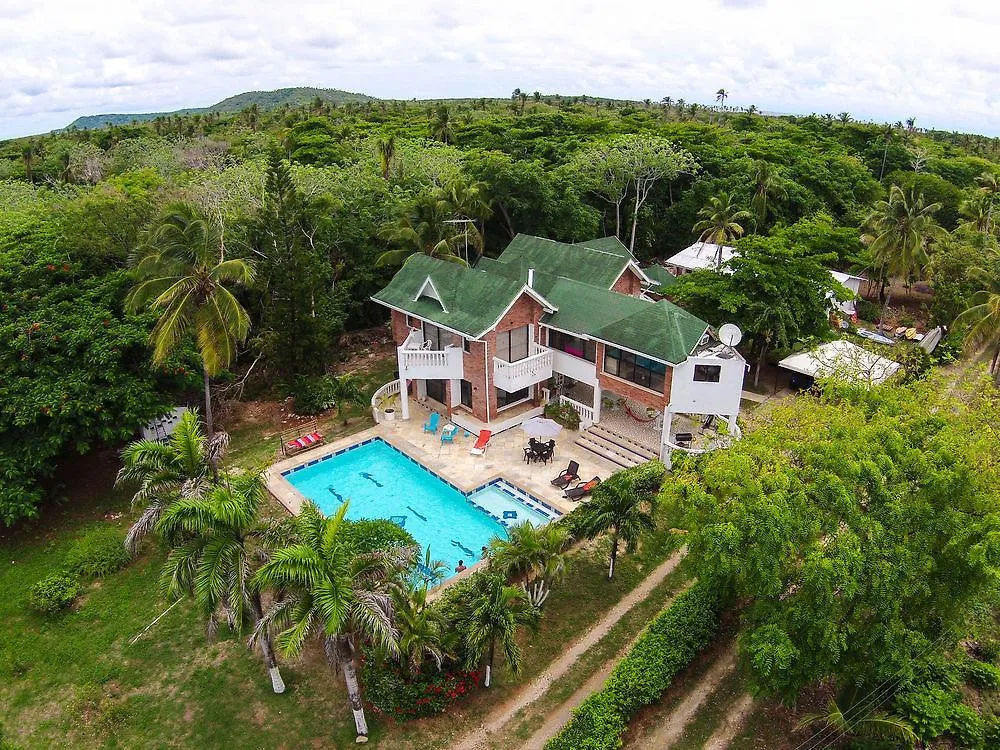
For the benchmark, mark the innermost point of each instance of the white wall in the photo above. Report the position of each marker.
(574, 367)
(689, 396)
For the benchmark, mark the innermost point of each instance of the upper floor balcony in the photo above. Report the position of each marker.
(417, 361)
(535, 368)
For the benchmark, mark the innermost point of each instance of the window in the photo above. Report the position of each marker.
(411, 322)
(573, 345)
(436, 336)
(635, 368)
(436, 389)
(513, 345)
(707, 373)
(466, 344)
(466, 388)
(506, 399)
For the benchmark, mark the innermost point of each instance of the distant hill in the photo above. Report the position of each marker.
(263, 99)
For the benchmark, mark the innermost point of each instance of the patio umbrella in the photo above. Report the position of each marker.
(541, 427)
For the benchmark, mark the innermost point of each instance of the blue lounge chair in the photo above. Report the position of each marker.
(448, 433)
(431, 425)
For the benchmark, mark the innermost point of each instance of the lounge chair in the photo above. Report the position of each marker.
(568, 476)
(582, 489)
(448, 433)
(300, 438)
(431, 425)
(482, 443)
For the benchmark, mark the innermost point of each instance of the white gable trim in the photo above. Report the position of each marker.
(427, 289)
(546, 306)
(643, 278)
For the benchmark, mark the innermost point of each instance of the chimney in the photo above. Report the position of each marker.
(531, 278)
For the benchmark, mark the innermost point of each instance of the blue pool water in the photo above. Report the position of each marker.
(383, 482)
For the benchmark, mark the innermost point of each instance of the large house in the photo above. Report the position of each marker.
(489, 345)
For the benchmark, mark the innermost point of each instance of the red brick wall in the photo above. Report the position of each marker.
(399, 328)
(632, 391)
(475, 367)
(628, 283)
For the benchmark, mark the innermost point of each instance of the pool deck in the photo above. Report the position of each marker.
(452, 461)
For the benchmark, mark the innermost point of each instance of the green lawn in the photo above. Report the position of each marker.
(74, 680)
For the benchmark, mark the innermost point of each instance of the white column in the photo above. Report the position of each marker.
(421, 394)
(666, 436)
(404, 399)
(597, 403)
(733, 428)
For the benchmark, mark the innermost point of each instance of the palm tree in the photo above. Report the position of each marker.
(421, 228)
(976, 211)
(28, 157)
(988, 185)
(346, 390)
(469, 200)
(497, 612)
(767, 185)
(166, 471)
(887, 132)
(328, 590)
(386, 153)
(441, 128)
(844, 117)
(421, 628)
(624, 505)
(868, 725)
(183, 271)
(897, 232)
(215, 541)
(720, 97)
(719, 224)
(983, 322)
(530, 550)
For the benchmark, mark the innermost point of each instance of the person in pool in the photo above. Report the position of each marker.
(484, 553)
(460, 567)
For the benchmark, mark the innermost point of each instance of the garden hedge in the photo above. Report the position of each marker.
(669, 644)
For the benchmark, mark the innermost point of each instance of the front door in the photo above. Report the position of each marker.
(436, 390)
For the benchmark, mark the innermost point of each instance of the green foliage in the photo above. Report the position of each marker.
(372, 534)
(668, 644)
(97, 552)
(967, 726)
(867, 310)
(396, 693)
(53, 593)
(564, 414)
(311, 394)
(928, 709)
(981, 674)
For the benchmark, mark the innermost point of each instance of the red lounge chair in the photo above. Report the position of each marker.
(292, 444)
(569, 475)
(582, 490)
(482, 443)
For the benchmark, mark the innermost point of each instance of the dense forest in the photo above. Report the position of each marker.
(322, 202)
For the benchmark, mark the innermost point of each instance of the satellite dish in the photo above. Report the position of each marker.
(730, 335)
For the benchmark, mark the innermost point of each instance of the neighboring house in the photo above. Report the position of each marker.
(550, 319)
(838, 359)
(704, 255)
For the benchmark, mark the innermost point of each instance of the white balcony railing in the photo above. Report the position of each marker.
(431, 364)
(586, 412)
(513, 376)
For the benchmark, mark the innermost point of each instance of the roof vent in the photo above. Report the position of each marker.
(531, 278)
(427, 289)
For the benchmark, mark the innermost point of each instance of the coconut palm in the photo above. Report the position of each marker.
(469, 200)
(165, 471)
(982, 321)
(767, 187)
(531, 550)
(887, 133)
(386, 153)
(346, 390)
(421, 628)
(624, 506)
(720, 97)
(976, 211)
(421, 228)
(215, 541)
(898, 232)
(441, 128)
(497, 612)
(861, 724)
(720, 223)
(329, 591)
(988, 185)
(184, 273)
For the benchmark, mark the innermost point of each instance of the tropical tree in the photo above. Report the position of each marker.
(329, 591)
(898, 232)
(990, 186)
(858, 722)
(183, 272)
(165, 471)
(421, 228)
(386, 153)
(346, 390)
(531, 550)
(497, 611)
(469, 201)
(982, 321)
(215, 543)
(767, 187)
(976, 210)
(421, 628)
(623, 505)
(720, 223)
(441, 127)
(720, 97)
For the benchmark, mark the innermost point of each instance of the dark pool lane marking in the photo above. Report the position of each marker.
(371, 479)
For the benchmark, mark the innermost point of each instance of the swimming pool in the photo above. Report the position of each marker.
(383, 482)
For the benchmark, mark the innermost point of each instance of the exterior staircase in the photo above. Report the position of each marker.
(614, 447)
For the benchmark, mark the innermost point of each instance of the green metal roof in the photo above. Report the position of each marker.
(663, 278)
(609, 245)
(471, 300)
(598, 267)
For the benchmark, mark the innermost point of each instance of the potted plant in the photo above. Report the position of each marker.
(389, 413)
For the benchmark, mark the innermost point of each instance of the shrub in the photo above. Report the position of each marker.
(991, 732)
(368, 535)
(989, 651)
(53, 593)
(97, 552)
(669, 643)
(929, 709)
(867, 310)
(312, 394)
(981, 674)
(966, 726)
(396, 693)
(564, 414)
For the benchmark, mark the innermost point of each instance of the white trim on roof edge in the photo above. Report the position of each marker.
(433, 293)
(546, 305)
(423, 320)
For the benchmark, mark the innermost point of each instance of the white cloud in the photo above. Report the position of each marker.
(883, 60)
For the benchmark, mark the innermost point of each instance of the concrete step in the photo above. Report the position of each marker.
(613, 453)
(623, 442)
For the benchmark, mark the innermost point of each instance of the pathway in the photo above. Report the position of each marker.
(540, 685)
(731, 725)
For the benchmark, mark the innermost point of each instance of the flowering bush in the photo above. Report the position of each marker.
(396, 693)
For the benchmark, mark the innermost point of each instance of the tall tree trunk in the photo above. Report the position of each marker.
(618, 219)
(614, 555)
(337, 649)
(210, 425)
(506, 219)
(760, 364)
(635, 222)
(489, 663)
(267, 647)
(885, 153)
(885, 309)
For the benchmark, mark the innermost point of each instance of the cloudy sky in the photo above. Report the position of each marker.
(877, 59)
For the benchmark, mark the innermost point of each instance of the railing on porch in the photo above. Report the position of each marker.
(385, 393)
(434, 364)
(586, 412)
(513, 376)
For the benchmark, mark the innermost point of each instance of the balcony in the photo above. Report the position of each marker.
(416, 363)
(513, 376)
